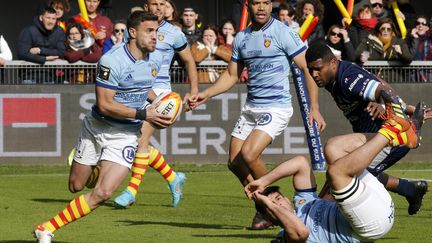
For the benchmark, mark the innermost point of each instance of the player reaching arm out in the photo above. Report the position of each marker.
(227, 79)
(191, 69)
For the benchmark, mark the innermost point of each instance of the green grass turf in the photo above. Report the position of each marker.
(214, 208)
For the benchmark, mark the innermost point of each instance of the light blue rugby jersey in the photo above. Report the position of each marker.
(170, 40)
(323, 218)
(130, 78)
(266, 54)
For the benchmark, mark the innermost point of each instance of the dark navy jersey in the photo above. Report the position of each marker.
(352, 90)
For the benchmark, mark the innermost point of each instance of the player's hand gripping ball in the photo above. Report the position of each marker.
(169, 103)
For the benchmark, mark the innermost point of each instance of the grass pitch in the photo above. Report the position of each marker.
(213, 209)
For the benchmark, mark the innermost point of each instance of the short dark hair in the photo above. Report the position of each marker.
(261, 208)
(48, 9)
(135, 18)
(318, 50)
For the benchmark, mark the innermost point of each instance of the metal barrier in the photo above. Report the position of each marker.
(62, 72)
(395, 72)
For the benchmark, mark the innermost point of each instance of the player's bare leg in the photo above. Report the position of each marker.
(78, 176)
(111, 176)
(240, 167)
(236, 163)
(252, 149)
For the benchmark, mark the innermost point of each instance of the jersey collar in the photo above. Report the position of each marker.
(129, 54)
(267, 25)
(162, 23)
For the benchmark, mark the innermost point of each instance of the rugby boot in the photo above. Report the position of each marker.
(43, 235)
(415, 202)
(176, 188)
(260, 223)
(125, 199)
(402, 131)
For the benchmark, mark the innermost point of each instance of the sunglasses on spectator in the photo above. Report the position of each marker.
(119, 30)
(377, 4)
(421, 23)
(337, 34)
(385, 29)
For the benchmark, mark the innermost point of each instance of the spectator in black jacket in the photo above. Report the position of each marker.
(43, 40)
(191, 25)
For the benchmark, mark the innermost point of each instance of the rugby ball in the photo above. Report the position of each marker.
(169, 103)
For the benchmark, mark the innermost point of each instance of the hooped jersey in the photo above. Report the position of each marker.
(352, 90)
(267, 54)
(170, 40)
(131, 79)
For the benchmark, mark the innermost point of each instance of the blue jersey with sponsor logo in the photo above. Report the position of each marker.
(323, 219)
(266, 53)
(131, 79)
(352, 90)
(169, 41)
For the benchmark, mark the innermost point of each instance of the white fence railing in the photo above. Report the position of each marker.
(62, 72)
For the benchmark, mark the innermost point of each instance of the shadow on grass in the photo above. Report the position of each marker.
(24, 241)
(51, 200)
(246, 236)
(182, 224)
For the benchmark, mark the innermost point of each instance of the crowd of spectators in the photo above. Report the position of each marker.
(60, 33)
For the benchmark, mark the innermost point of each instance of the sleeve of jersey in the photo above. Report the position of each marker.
(235, 57)
(291, 42)
(107, 74)
(180, 42)
(370, 90)
(302, 197)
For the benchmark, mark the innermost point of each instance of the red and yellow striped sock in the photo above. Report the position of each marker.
(394, 134)
(139, 167)
(157, 162)
(76, 209)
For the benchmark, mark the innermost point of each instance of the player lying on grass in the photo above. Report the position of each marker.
(363, 210)
(354, 91)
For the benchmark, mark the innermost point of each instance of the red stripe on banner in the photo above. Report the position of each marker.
(78, 205)
(29, 110)
(63, 218)
(69, 209)
(54, 223)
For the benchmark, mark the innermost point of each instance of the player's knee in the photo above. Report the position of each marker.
(249, 156)
(333, 171)
(101, 194)
(329, 149)
(76, 186)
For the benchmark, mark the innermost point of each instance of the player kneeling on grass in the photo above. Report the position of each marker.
(363, 211)
(110, 131)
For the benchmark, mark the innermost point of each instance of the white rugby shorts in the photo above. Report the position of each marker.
(270, 120)
(370, 210)
(99, 141)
